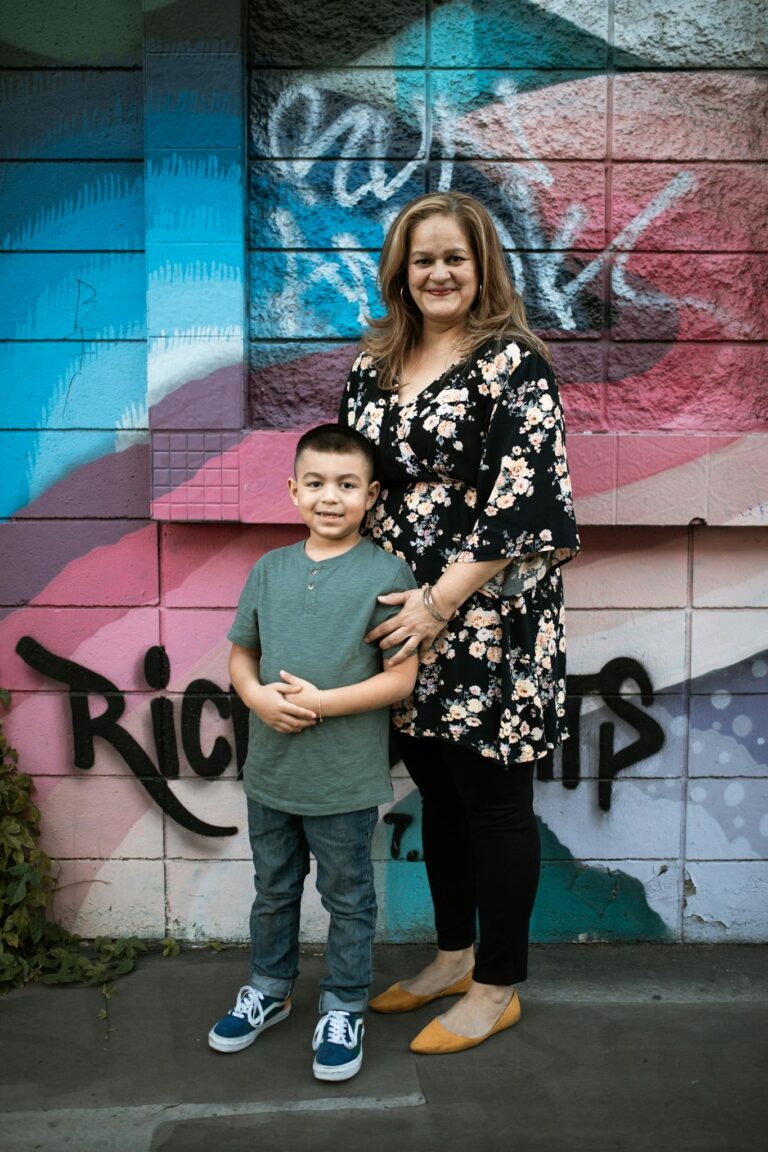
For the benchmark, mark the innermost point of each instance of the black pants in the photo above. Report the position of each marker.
(481, 850)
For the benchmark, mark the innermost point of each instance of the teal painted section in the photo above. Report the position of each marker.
(72, 296)
(66, 384)
(197, 195)
(71, 115)
(520, 34)
(76, 206)
(33, 462)
(575, 901)
(578, 901)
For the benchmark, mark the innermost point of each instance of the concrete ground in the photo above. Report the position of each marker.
(620, 1049)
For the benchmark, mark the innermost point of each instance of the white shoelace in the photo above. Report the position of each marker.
(339, 1029)
(250, 1006)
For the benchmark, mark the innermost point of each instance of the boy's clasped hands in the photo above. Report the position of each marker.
(287, 705)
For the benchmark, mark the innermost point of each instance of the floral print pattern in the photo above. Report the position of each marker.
(474, 468)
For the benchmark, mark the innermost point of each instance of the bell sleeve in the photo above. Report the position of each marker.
(524, 496)
(352, 396)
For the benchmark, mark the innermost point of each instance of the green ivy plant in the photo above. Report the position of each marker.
(32, 946)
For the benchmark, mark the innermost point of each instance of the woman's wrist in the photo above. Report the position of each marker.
(438, 606)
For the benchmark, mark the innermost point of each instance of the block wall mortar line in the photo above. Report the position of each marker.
(427, 17)
(684, 775)
(608, 261)
(607, 237)
(245, 141)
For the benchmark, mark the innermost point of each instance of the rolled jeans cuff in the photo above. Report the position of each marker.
(329, 1001)
(279, 989)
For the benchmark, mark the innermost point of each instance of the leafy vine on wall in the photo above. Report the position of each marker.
(32, 945)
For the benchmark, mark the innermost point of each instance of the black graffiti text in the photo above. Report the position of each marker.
(608, 683)
(84, 684)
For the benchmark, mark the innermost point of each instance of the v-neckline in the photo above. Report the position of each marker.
(426, 388)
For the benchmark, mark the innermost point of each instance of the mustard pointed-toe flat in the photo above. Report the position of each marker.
(436, 1040)
(396, 999)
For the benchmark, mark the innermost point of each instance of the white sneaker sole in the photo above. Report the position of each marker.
(237, 1043)
(341, 1071)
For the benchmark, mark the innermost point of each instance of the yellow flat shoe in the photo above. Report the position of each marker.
(436, 1040)
(396, 999)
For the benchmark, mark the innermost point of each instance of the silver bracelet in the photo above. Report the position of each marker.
(429, 604)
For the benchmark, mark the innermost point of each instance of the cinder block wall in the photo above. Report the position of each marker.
(162, 176)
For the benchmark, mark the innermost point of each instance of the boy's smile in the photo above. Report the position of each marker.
(332, 492)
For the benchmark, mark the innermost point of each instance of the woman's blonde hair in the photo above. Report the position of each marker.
(497, 311)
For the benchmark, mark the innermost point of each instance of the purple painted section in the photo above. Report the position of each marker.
(211, 460)
(213, 401)
(304, 391)
(113, 486)
(42, 549)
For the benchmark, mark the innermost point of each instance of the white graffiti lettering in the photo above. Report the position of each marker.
(303, 131)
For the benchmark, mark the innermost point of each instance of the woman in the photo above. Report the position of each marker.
(459, 398)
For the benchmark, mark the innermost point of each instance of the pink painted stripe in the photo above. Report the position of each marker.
(599, 463)
(125, 570)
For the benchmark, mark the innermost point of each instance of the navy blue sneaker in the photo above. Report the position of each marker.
(253, 1012)
(338, 1045)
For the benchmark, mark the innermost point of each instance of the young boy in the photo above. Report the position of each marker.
(317, 764)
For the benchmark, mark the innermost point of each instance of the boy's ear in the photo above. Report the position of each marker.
(293, 489)
(373, 491)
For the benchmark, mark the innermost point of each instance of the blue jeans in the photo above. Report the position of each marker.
(341, 844)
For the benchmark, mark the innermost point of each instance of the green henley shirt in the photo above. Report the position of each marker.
(309, 617)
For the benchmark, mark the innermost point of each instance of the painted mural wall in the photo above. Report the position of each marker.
(191, 203)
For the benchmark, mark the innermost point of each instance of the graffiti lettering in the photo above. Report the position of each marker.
(400, 822)
(196, 696)
(296, 130)
(83, 683)
(157, 673)
(608, 683)
(305, 126)
(86, 302)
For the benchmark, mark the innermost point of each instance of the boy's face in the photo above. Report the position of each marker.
(332, 492)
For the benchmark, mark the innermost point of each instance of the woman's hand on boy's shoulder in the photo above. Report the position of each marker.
(413, 628)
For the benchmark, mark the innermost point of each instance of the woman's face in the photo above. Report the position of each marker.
(442, 271)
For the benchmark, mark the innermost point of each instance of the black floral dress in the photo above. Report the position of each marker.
(474, 468)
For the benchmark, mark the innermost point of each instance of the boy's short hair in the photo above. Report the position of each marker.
(337, 438)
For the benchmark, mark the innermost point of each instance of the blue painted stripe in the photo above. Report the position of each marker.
(72, 296)
(71, 115)
(194, 286)
(66, 384)
(195, 197)
(34, 461)
(70, 206)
